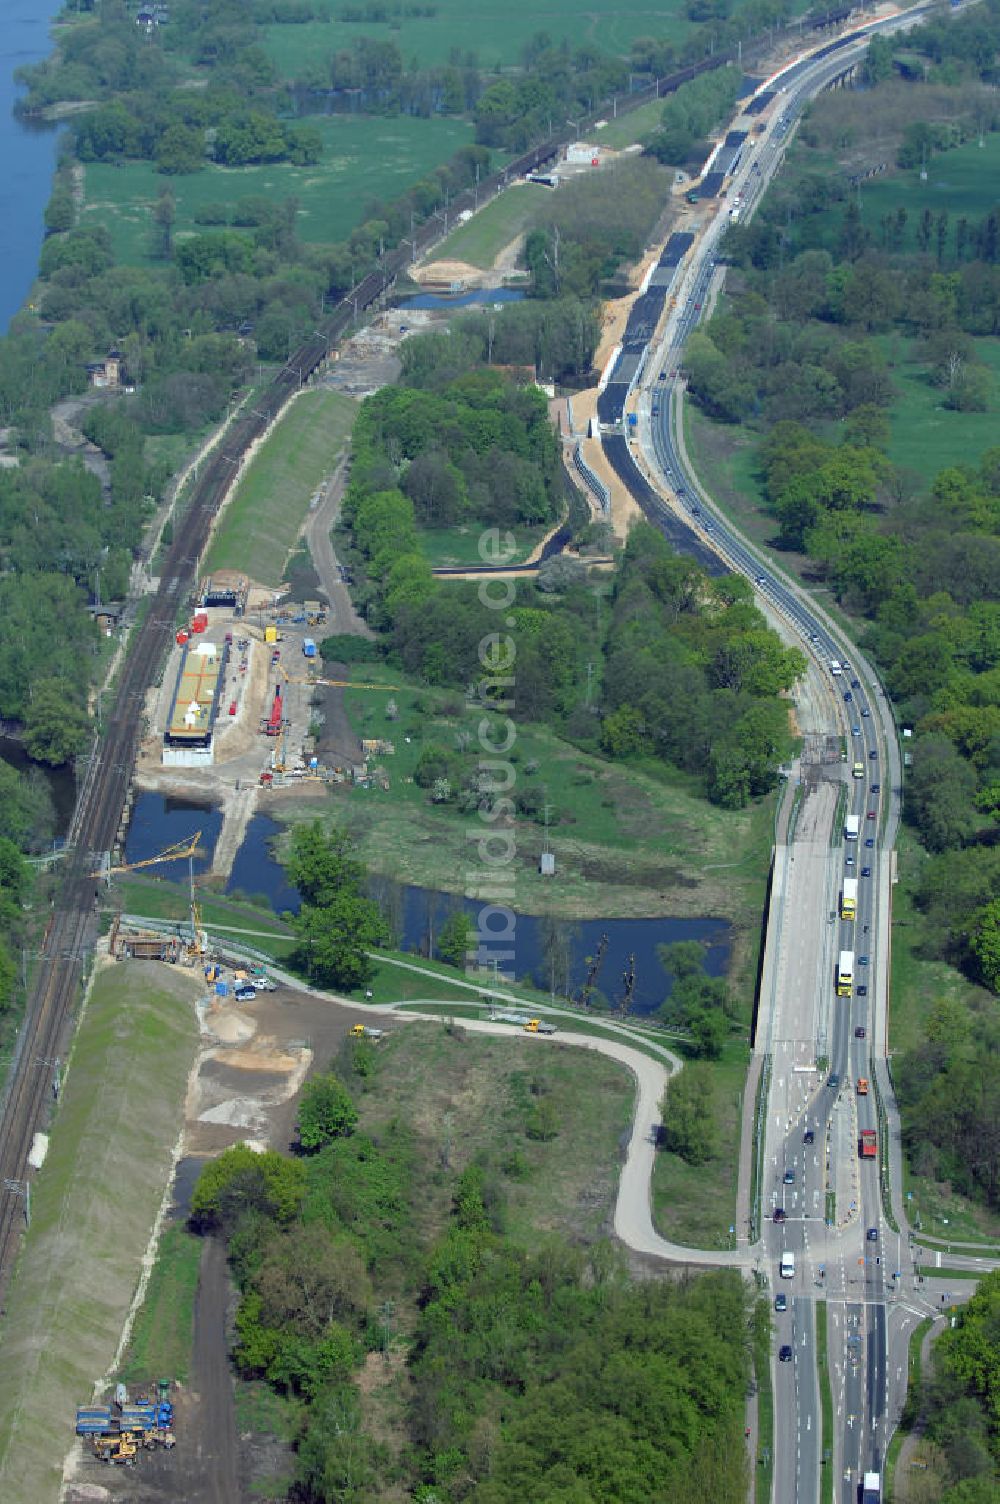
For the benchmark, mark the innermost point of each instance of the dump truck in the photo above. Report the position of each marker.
(849, 898)
(363, 1031)
(93, 1420)
(868, 1144)
(539, 1026)
(862, 1086)
(845, 973)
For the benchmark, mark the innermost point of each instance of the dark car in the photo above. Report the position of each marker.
(848, 697)
(781, 1301)
(662, 376)
(873, 753)
(861, 991)
(872, 814)
(779, 1214)
(876, 787)
(859, 1032)
(245, 994)
(855, 683)
(788, 1178)
(870, 842)
(834, 1081)
(873, 1234)
(784, 1353)
(866, 713)
(862, 960)
(866, 872)
(809, 1137)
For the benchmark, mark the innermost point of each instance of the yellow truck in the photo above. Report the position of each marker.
(539, 1026)
(362, 1031)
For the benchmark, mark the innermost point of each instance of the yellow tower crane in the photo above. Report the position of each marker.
(178, 852)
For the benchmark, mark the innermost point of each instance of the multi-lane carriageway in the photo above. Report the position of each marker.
(809, 1144)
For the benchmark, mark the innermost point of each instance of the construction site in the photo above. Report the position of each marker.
(247, 711)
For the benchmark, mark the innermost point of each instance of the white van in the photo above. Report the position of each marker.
(788, 1266)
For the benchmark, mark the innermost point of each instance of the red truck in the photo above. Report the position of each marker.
(868, 1144)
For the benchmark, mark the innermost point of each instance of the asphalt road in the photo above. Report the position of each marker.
(831, 1202)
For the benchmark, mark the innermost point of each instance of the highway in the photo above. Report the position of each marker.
(818, 1199)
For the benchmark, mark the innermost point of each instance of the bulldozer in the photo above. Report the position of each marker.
(120, 1449)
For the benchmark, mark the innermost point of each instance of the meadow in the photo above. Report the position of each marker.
(363, 159)
(495, 31)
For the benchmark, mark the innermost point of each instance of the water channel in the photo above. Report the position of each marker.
(158, 822)
(27, 152)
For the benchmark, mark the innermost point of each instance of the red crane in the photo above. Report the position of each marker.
(275, 719)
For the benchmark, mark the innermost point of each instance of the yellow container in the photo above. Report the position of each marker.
(270, 634)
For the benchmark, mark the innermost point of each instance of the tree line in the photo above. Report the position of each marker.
(960, 1399)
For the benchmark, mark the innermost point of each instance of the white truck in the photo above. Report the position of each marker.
(787, 1269)
(852, 827)
(836, 667)
(871, 1489)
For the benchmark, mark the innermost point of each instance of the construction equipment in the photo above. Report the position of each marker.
(180, 851)
(334, 683)
(189, 849)
(276, 720)
(115, 1449)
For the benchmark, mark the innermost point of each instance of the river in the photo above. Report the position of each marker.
(158, 822)
(27, 153)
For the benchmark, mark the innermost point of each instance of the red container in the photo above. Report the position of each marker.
(199, 622)
(182, 637)
(232, 708)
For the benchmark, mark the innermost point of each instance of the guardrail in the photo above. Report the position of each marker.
(593, 482)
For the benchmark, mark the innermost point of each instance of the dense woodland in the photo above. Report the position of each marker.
(517, 1366)
(692, 676)
(800, 355)
(960, 1399)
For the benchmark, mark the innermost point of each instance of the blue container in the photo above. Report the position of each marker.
(222, 989)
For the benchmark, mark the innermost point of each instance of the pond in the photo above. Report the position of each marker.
(489, 295)
(544, 952)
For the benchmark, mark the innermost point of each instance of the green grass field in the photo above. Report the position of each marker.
(494, 31)
(481, 239)
(959, 182)
(696, 1204)
(362, 159)
(262, 521)
(93, 1208)
(631, 126)
(925, 436)
(160, 1346)
(447, 547)
(467, 1094)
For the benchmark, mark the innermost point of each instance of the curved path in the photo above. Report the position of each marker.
(633, 1220)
